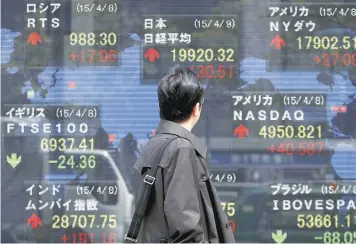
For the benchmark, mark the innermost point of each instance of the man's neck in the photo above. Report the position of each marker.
(186, 125)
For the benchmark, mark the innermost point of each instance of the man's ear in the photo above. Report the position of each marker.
(196, 110)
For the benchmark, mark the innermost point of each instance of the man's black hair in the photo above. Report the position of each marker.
(179, 90)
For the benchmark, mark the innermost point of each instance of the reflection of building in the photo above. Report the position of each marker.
(127, 159)
(254, 28)
(101, 142)
(101, 139)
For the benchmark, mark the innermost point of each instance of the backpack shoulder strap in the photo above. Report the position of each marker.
(145, 194)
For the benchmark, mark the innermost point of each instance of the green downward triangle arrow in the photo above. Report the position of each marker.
(13, 160)
(279, 237)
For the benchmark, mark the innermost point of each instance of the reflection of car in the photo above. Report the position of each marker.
(104, 184)
(114, 207)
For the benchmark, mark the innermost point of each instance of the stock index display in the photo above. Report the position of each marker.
(78, 103)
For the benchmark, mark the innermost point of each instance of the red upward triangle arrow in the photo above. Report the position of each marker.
(152, 54)
(241, 131)
(34, 220)
(34, 38)
(277, 42)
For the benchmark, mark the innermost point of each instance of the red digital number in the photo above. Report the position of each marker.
(210, 72)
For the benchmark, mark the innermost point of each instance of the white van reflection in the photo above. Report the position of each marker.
(101, 204)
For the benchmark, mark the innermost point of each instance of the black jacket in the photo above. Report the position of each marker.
(186, 207)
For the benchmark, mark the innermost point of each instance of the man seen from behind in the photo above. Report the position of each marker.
(184, 206)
